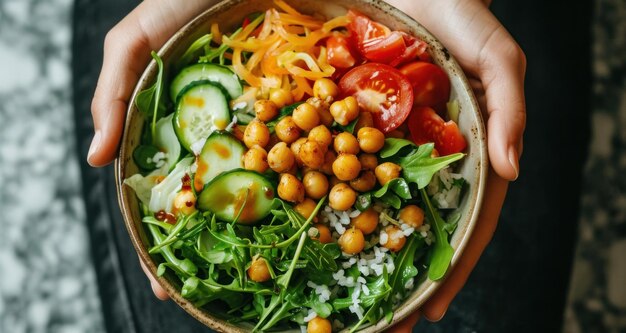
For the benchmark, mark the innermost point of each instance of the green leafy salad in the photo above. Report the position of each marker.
(286, 187)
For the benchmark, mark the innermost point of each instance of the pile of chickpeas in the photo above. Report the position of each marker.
(339, 165)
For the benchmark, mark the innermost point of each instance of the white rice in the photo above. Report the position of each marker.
(321, 290)
(158, 159)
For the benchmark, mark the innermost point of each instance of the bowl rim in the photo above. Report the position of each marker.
(204, 316)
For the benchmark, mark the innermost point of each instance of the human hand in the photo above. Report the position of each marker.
(495, 66)
(490, 57)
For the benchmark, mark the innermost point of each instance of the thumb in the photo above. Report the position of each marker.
(502, 70)
(126, 52)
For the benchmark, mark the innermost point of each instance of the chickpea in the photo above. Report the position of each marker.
(329, 158)
(322, 107)
(185, 202)
(323, 234)
(386, 172)
(325, 89)
(295, 149)
(305, 208)
(396, 134)
(367, 221)
(346, 143)
(319, 325)
(368, 161)
(258, 271)
(281, 158)
(412, 215)
(290, 188)
(326, 118)
(345, 111)
(265, 110)
(287, 130)
(321, 134)
(256, 133)
(352, 241)
(255, 159)
(371, 140)
(281, 97)
(315, 184)
(395, 238)
(273, 141)
(346, 167)
(341, 197)
(365, 182)
(365, 120)
(306, 116)
(311, 154)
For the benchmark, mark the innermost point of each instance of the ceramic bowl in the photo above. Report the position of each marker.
(229, 14)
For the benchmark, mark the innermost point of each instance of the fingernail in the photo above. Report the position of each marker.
(95, 143)
(514, 160)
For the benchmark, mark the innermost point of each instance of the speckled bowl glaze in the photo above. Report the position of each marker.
(229, 14)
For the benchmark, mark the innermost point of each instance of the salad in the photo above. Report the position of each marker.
(299, 173)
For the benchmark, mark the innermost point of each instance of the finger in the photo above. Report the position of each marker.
(406, 325)
(503, 67)
(495, 192)
(126, 52)
(158, 291)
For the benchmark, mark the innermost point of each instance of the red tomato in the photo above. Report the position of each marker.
(431, 85)
(381, 90)
(378, 43)
(340, 52)
(426, 126)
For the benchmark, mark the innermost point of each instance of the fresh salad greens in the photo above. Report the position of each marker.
(262, 207)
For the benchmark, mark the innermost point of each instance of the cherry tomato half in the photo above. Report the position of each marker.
(378, 43)
(431, 85)
(381, 90)
(426, 126)
(341, 53)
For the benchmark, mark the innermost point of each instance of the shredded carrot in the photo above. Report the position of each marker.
(286, 8)
(250, 28)
(217, 35)
(337, 22)
(242, 71)
(285, 51)
(251, 44)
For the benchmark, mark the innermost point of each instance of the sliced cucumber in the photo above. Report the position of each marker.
(238, 192)
(167, 142)
(201, 109)
(221, 152)
(206, 72)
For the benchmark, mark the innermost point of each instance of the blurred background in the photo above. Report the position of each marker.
(50, 54)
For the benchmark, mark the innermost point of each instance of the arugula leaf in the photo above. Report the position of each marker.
(321, 308)
(393, 146)
(321, 256)
(419, 167)
(404, 265)
(192, 51)
(182, 267)
(442, 251)
(398, 186)
(148, 101)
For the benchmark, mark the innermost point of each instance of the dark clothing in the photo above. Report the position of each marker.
(521, 281)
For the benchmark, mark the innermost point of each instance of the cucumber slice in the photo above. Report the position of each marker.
(201, 109)
(221, 152)
(238, 191)
(206, 72)
(167, 142)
